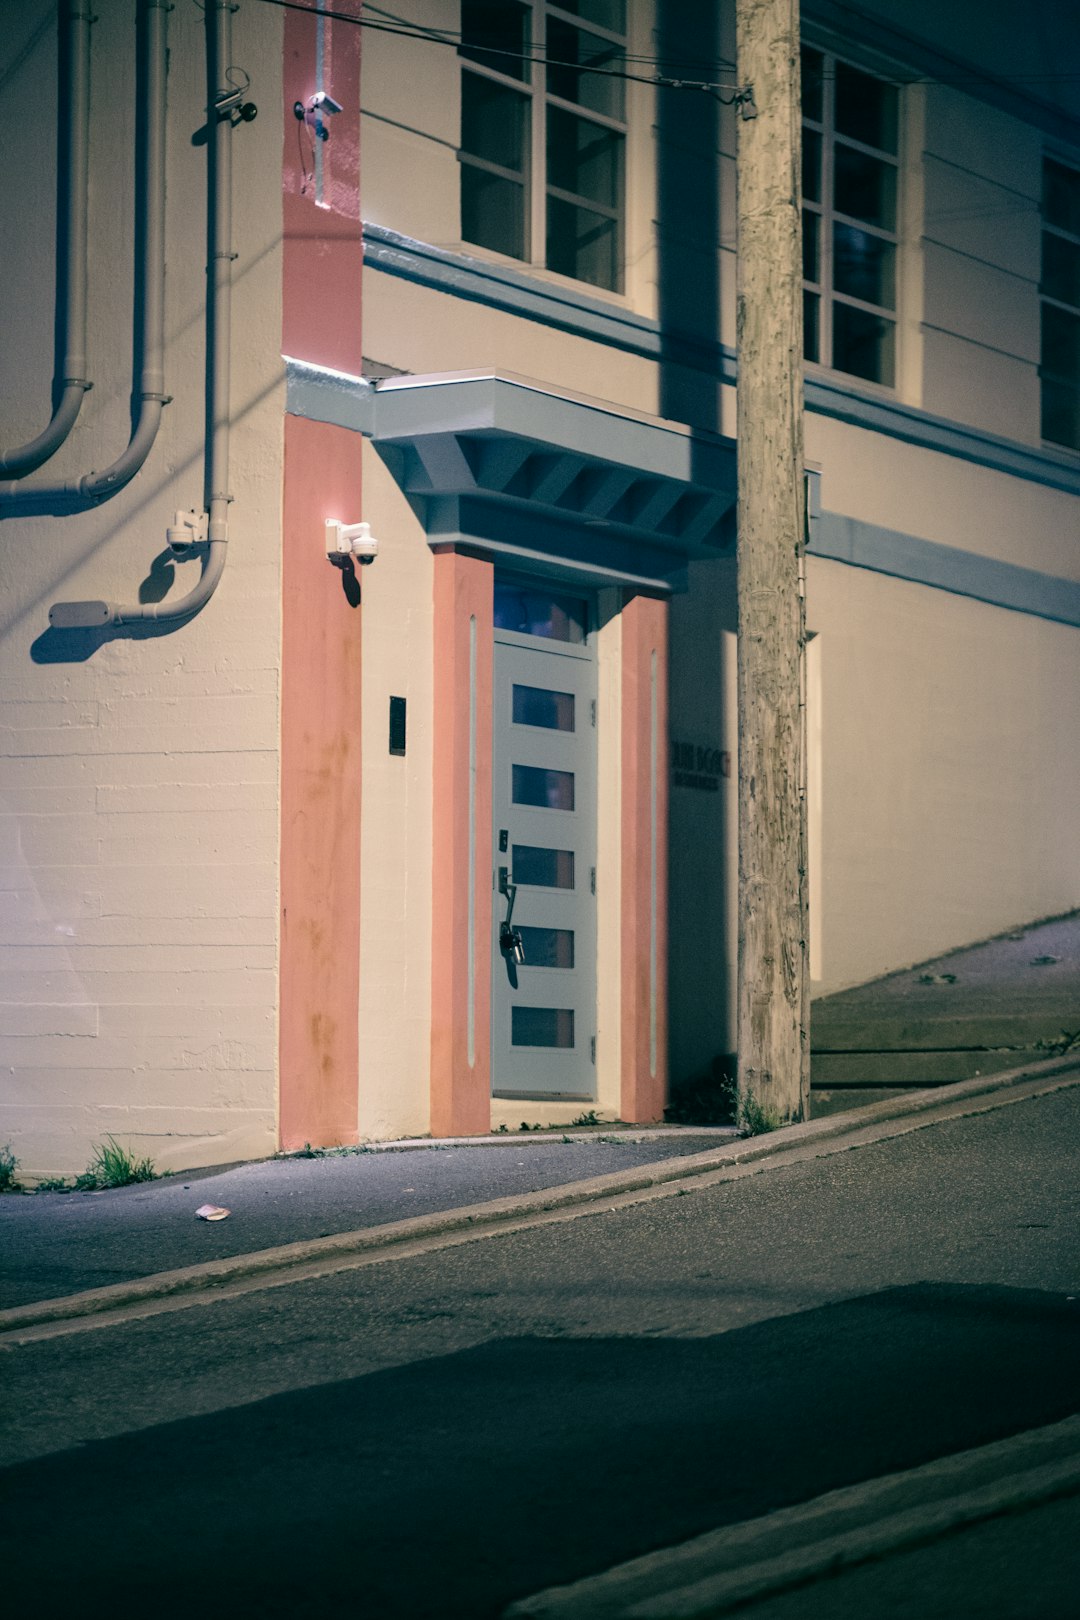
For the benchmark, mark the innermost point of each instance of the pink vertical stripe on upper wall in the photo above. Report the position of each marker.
(644, 858)
(323, 244)
(320, 662)
(460, 1089)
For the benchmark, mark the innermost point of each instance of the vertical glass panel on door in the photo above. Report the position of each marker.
(538, 868)
(544, 789)
(536, 706)
(530, 612)
(542, 1026)
(548, 947)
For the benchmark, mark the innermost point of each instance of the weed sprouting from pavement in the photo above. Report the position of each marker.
(754, 1117)
(114, 1166)
(1067, 1041)
(8, 1166)
(349, 1151)
(589, 1117)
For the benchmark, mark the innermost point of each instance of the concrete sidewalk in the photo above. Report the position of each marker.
(59, 1243)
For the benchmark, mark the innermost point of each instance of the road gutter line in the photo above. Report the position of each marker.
(295, 1262)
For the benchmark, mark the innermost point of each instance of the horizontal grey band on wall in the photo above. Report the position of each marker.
(584, 316)
(518, 293)
(924, 562)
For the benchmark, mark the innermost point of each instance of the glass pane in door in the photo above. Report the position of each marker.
(536, 706)
(542, 1026)
(543, 868)
(547, 947)
(542, 788)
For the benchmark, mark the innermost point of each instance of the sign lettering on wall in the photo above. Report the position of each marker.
(700, 766)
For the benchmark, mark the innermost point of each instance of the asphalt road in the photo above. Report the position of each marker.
(433, 1437)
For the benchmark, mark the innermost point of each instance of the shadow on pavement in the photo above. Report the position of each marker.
(449, 1487)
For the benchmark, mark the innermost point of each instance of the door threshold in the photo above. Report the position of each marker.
(543, 1096)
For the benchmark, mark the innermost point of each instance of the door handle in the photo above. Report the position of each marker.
(510, 941)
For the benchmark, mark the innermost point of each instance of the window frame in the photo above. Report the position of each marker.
(1047, 300)
(828, 216)
(533, 87)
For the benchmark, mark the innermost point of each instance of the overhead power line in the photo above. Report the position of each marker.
(454, 39)
(716, 87)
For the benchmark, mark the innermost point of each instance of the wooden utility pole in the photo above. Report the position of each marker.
(773, 993)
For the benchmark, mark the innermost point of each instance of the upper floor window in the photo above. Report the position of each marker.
(542, 137)
(1059, 369)
(850, 182)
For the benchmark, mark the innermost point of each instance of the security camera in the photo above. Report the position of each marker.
(345, 541)
(322, 102)
(231, 105)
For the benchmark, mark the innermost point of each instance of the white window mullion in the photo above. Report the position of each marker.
(538, 167)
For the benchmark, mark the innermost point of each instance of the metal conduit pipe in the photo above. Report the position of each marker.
(98, 486)
(209, 527)
(74, 119)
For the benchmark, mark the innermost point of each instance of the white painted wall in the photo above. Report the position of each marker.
(950, 772)
(138, 784)
(395, 818)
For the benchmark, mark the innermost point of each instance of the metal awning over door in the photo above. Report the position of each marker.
(555, 480)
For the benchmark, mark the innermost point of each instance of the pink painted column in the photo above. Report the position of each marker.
(461, 878)
(320, 670)
(644, 858)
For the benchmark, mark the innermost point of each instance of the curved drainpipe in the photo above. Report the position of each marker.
(76, 117)
(209, 528)
(98, 486)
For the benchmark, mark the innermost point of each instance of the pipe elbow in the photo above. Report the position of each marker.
(28, 457)
(98, 487)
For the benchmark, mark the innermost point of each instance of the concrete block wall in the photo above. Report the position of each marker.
(139, 772)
